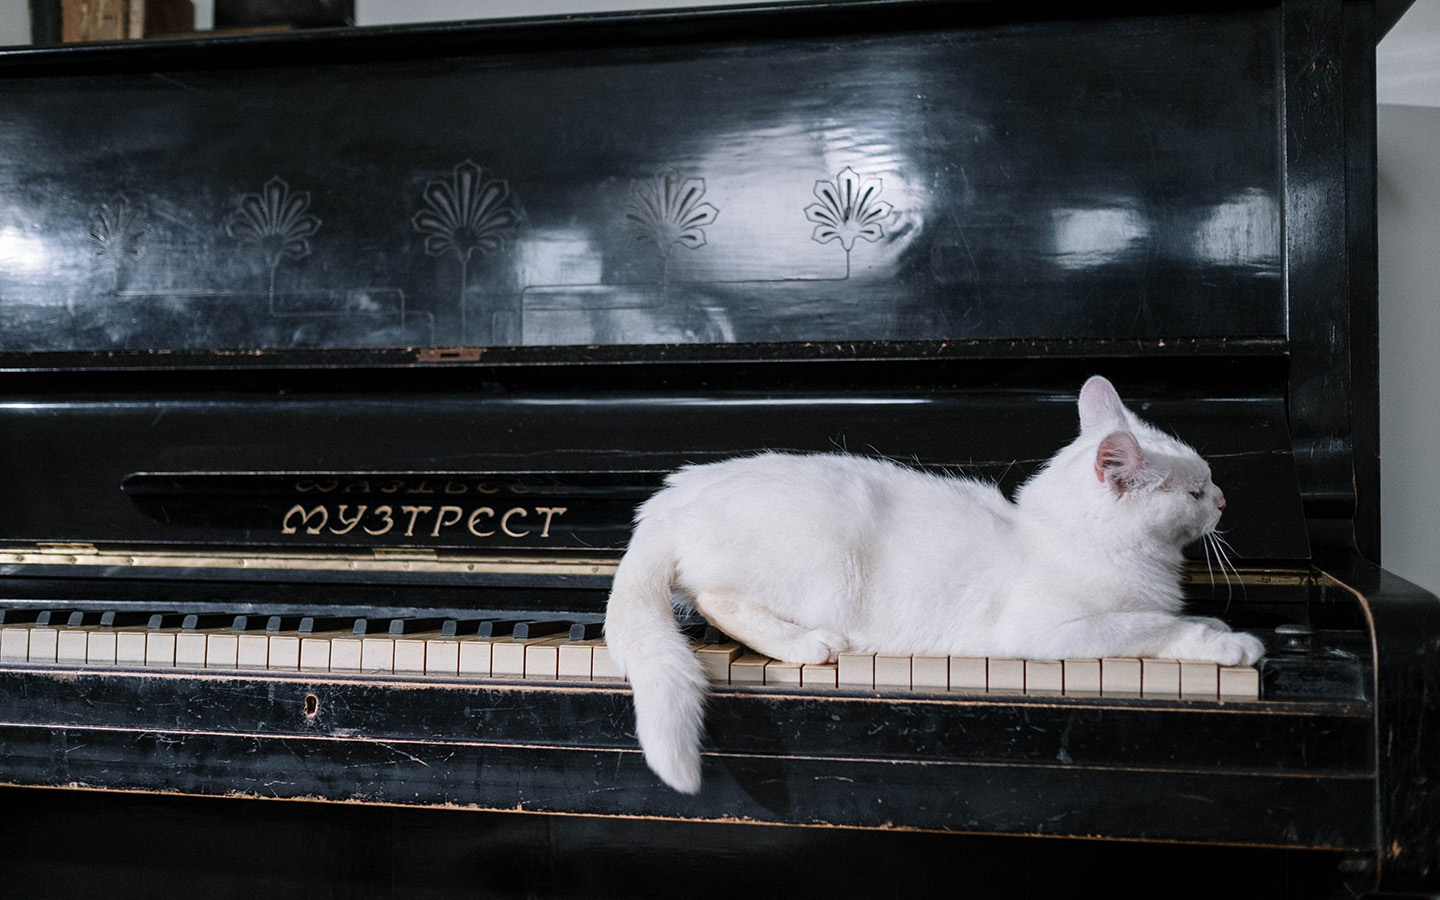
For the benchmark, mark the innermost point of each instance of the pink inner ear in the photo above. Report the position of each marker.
(1119, 460)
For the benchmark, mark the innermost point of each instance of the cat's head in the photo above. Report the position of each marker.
(1126, 478)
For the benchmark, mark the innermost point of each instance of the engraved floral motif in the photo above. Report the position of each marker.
(465, 213)
(666, 211)
(118, 233)
(276, 222)
(462, 215)
(849, 209)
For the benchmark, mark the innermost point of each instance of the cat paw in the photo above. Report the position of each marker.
(820, 647)
(1232, 648)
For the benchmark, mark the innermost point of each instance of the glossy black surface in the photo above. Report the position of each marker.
(907, 178)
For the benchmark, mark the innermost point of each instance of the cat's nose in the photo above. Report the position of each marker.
(1219, 499)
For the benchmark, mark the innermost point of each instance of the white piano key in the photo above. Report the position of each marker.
(1239, 683)
(410, 655)
(346, 653)
(1005, 676)
(72, 645)
(748, 668)
(14, 643)
(160, 649)
(782, 673)
(1159, 678)
(892, 672)
(968, 674)
(100, 648)
(542, 659)
(930, 673)
(856, 670)
(821, 675)
(442, 656)
(576, 659)
(284, 652)
(222, 650)
(1082, 677)
(314, 654)
(715, 659)
(476, 657)
(190, 648)
(130, 647)
(1120, 677)
(1199, 680)
(377, 654)
(1044, 677)
(253, 650)
(43, 641)
(602, 665)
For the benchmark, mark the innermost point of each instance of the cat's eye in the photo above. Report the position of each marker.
(1197, 494)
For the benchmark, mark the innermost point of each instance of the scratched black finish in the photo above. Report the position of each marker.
(900, 176)
(1064, 765)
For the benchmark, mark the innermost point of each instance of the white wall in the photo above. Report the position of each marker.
(14, 22)
(1408, 89)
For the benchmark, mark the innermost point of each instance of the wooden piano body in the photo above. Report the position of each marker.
(401, 324)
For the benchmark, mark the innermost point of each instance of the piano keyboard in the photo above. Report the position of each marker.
(562, 652)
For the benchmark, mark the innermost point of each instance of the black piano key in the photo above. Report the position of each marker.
(19, 616)
(496, 627)
(83, 619)
(206, 621)
(527, 630)
(123, 618)
(314, 624)
(714, 635)
(51, 618)
(246, 622)
(585, 631)
(417, 625)
(276, 624)
(164, 620)
(363, 626)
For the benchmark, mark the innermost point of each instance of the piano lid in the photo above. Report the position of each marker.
(887, 172)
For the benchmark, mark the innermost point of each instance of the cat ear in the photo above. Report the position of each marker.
(1100, 405)
(1119, 462)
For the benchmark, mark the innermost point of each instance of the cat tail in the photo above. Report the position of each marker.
(648, 648)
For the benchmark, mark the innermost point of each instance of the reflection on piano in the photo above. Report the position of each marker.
(320, 451)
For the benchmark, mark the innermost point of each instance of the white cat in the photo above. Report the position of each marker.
(802, 557)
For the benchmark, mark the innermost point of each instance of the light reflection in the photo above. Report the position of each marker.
(1241, 230)
(558, 256)
(21, 252)
(1085, 238)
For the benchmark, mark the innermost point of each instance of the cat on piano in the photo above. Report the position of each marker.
(802, 557)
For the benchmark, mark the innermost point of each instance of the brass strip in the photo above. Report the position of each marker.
(400, 560)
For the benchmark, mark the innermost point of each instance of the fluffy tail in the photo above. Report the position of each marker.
(649, 649)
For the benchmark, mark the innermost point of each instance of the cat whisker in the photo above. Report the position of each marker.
(1220, 542)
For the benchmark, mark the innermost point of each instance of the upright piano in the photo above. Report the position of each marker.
(334, 364)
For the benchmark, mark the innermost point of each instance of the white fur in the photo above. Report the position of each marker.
(802, 557)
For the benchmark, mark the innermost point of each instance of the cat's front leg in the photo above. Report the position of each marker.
(1150, 634)
(758, 628)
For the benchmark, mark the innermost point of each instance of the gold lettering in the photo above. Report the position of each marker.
(348, 523)
(442, 522)
(287, 528)
(483, 488)
(505, 522)
(414, 511)
(358, 487)
(456, 487)
(550, 513)
(307, 485)
(422, 488)
(391, 487)
(475, 516)
(383, 512)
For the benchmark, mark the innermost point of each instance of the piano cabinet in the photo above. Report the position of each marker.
(429, 310)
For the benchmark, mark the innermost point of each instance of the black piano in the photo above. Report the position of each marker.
(330, 360)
